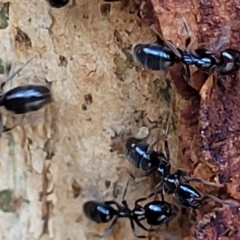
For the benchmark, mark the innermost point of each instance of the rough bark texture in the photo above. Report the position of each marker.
(62, 156)
(69, 152)
(208, 119)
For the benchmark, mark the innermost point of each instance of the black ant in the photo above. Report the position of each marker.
(58, 3)
(159, 57)
(24, 99)
(155, 213)
(145, 158)
(186, 195)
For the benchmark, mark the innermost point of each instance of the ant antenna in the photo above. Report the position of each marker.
(222, 41)
(19, 70)
(187, 44)
(229, 202)
(188, 39)
(199, 180)
(166, 134)
(15, 73)
(151, 146)
(125, 190)
(165, 137)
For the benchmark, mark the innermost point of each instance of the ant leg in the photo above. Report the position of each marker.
(143, 199)
(188, 73)
(2, 86)
(167, 236)
(188, 38)
(138, 179)
(113, 203)
(229, 202)
(108, 230)
(118, 171)
(14, 74)
(142, 226)
(148, 174)
(136, 220)
(181, 173)
(133, 228)
(19, 70)
(161, 192)
(166, 135)
(168, 43)
(159, 188)
(125, 191)
(151, 146)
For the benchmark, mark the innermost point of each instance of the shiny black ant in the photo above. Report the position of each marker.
(161, 57)
(142, 156)
(26, 98)
(155, 213)
(186, 195)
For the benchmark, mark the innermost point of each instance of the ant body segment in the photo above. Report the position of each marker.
(26, 98)
(155, 213)
(161, 57)
(154, 57)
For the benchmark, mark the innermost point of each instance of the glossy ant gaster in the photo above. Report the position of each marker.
(26, 98)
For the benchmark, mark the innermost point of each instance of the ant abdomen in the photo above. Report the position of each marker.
(153, 56)
(98, 212)
(58, 3)
(24, 99)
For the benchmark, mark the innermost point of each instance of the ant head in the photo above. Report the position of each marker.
(138, 52)
(131, 143)
(229, 61)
